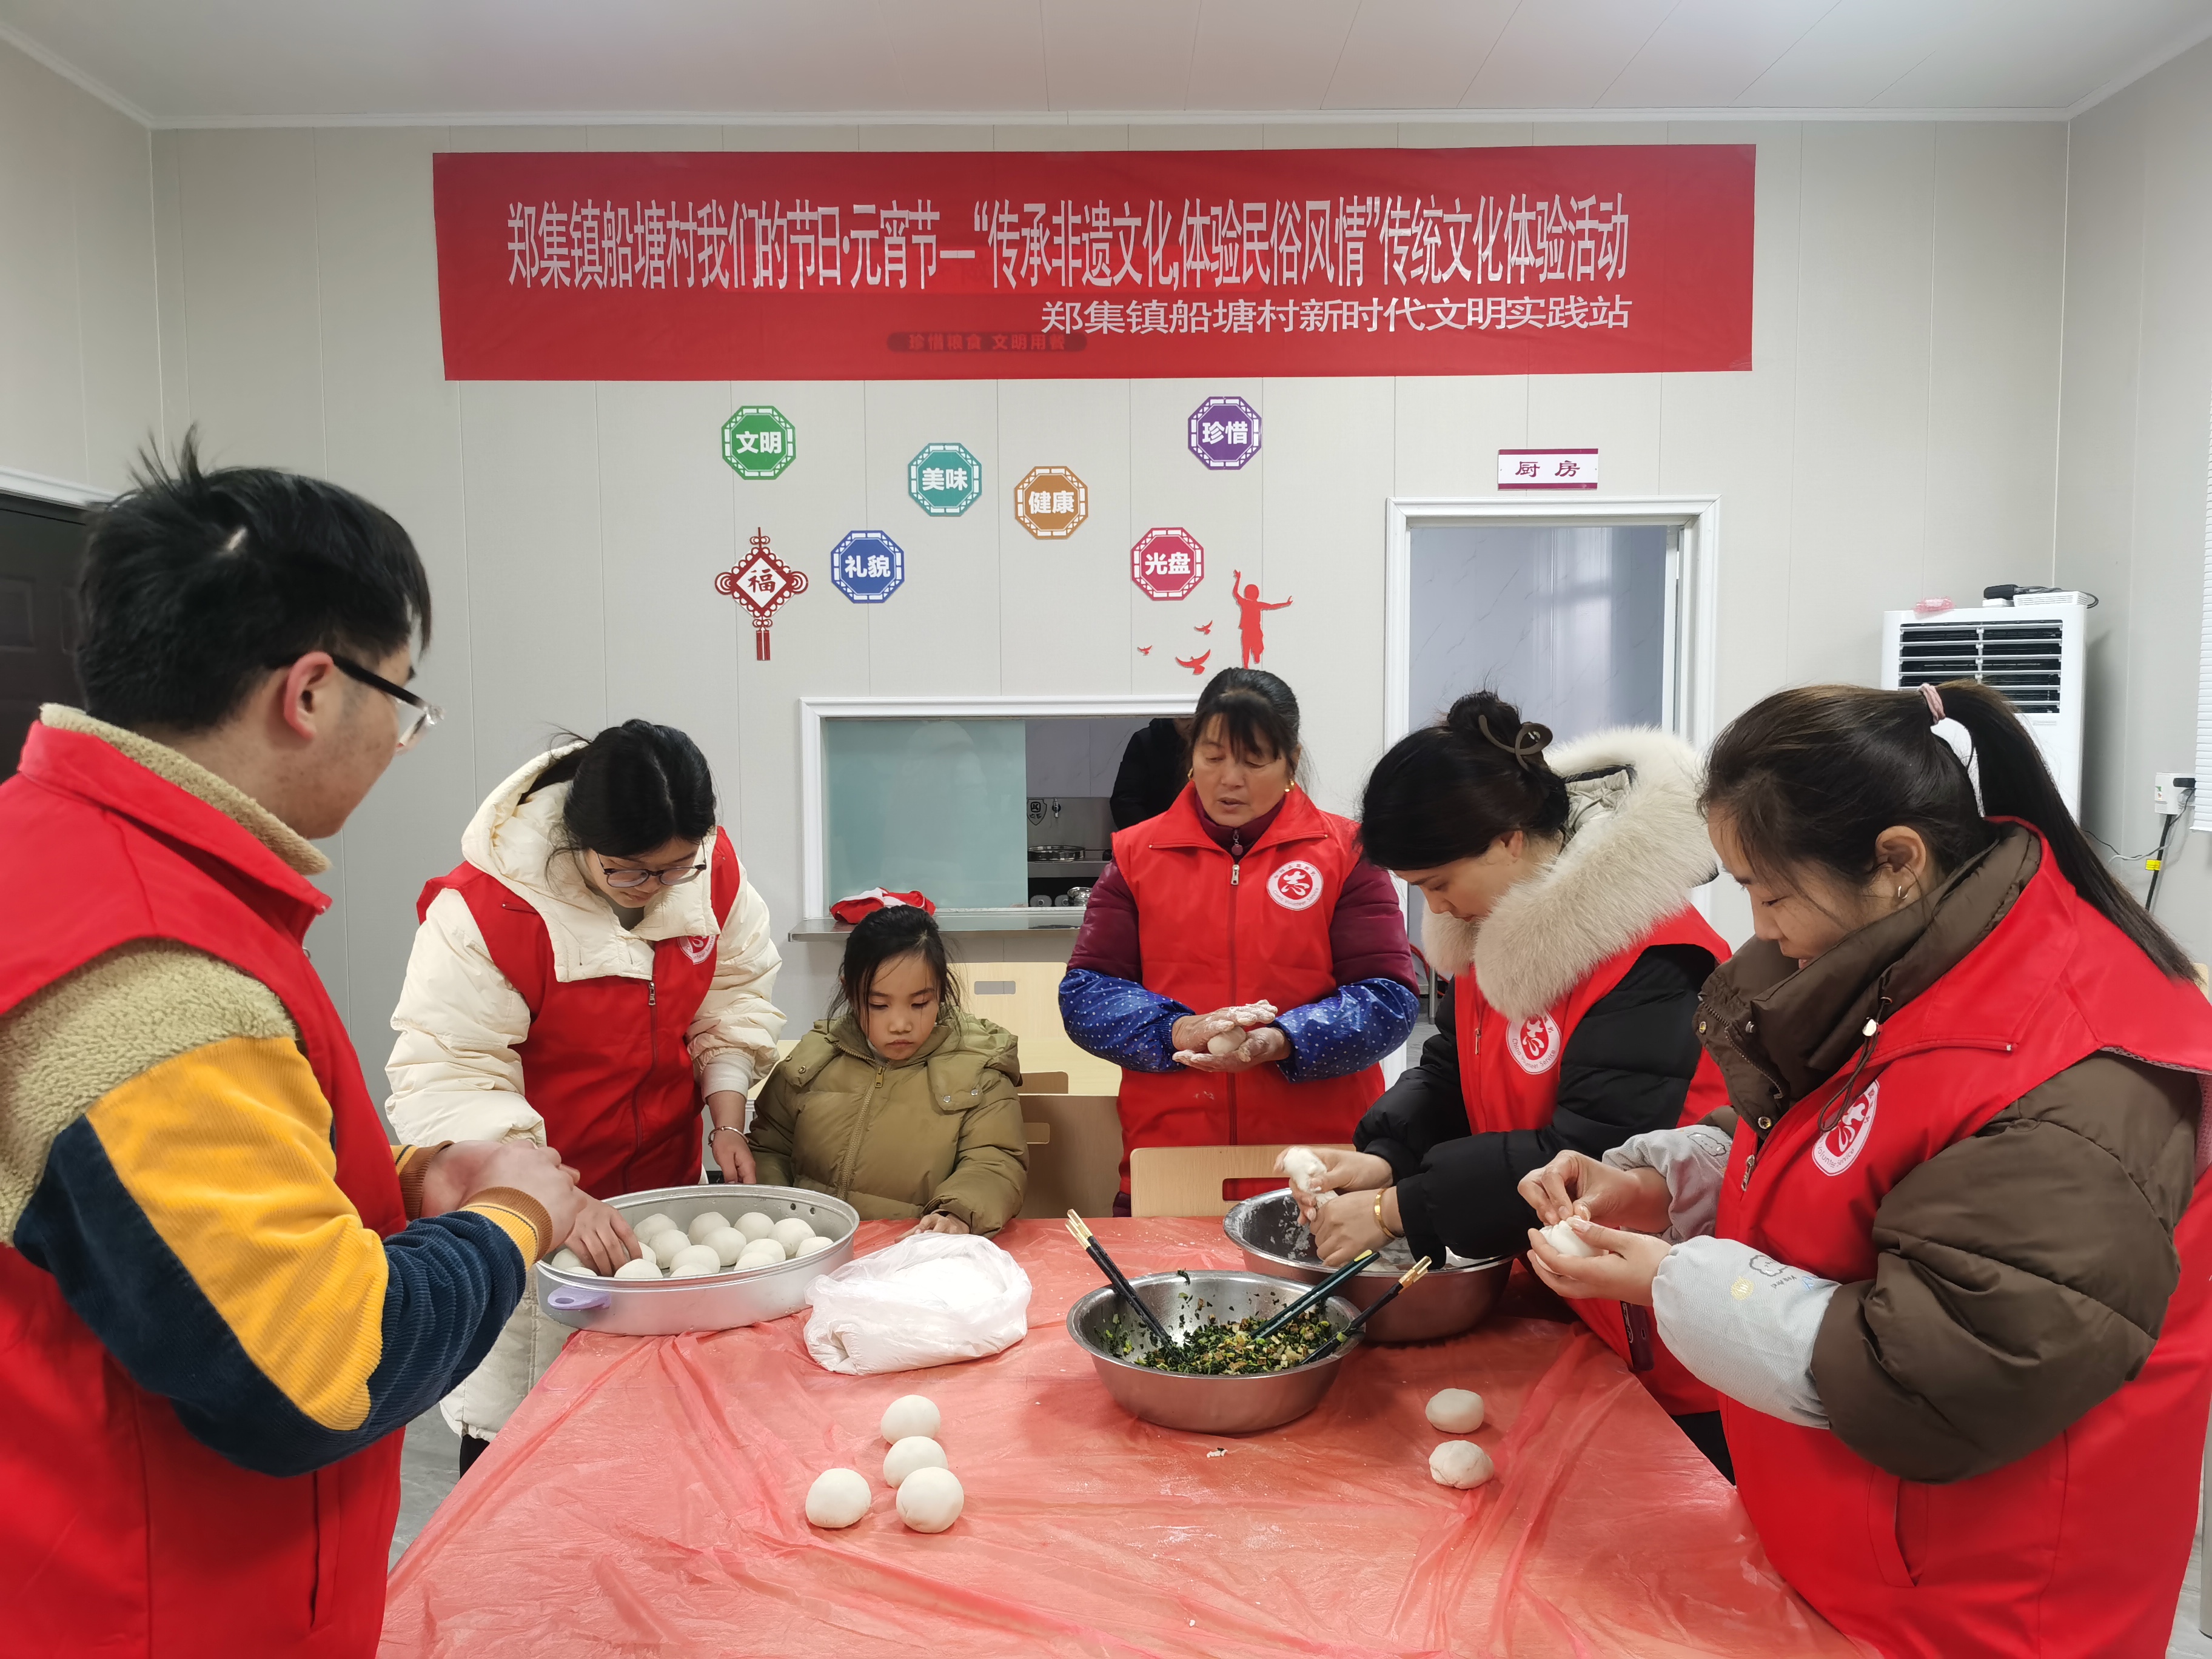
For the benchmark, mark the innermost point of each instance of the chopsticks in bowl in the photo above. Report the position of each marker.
(1320, 1292)
(1338, 1339)
(1096, 1252)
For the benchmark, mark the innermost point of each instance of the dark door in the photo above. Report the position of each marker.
(41, 546)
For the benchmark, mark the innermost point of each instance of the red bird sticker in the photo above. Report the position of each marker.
(1196, 664)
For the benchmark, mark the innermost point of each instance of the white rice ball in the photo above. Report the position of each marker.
(643, 1267)
(761, 1252)
(791, 1233)
(1227, 1044)
(911, 1414)
(693, 1269)
(931, 1499)
(1459, 1463)
(838, 1498)
(727, 1243)
(1455, 1411)
(568, 1261)
(1562, 1237)
(664, 1246)
(696, 1255)
(755, 1225)
(912, 1452)
(657, 1222)
(707, 1221)
(813, 1246)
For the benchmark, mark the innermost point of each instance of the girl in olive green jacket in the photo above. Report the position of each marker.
(900, 1103)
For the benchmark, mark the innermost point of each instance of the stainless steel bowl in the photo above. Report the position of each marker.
(1204, 1405)
(711, 1302)
(1449, 1302)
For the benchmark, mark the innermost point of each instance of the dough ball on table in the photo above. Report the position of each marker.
(911, 1415)
(707, 1221)
(791, 1232)
(753, 1224)
(664, 1246)
(727, 1243)
(910, 1453)
(643, 1267)
(838, 1498)
(1459, 1463)
(931, 1499)
(762, 1253)
(700, 1256)
(1455, 1411)
(813, 1246)
(655, 1223)
(1562, 1237)
(568, 1261)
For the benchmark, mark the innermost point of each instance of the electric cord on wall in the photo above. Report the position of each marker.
(2156, 863)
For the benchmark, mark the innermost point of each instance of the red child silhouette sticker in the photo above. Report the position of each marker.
(1535, 1044)
(1296, 886)
(1249, 607)
(1838, 1149)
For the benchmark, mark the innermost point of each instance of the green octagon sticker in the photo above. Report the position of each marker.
(758, 443)
(945, 480)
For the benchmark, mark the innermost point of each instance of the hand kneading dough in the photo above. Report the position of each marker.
(1304, 1168)
(664, 1246)
(655, 1223)
(1455, 1411)
(643, 1267)
(931, 1499)
(762, 1253)
(911, 1414)
(910, 1453)
(568, 1261)
(727, 1243)
(1227, 1044)
(813, 1246)
(696, 1255)
(791, 1233)
(838, 1498)
(753, 1225)
(1459, 1463)
(1562, 1237)
(708, 1221)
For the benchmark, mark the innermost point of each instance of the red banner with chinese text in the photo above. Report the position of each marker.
(1583, 259)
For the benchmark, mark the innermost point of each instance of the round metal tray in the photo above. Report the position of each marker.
(1448, 1302)
(711, 1302)
(1205, 1405)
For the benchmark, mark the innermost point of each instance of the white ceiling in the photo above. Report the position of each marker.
(194, 63)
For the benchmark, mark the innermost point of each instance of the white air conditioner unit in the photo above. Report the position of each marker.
(2032, 653)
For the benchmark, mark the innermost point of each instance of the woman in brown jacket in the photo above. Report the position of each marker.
(901, 1104)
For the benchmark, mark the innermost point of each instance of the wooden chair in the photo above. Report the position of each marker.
(1075, 1154)
(1189, 1180)
(1024, 998)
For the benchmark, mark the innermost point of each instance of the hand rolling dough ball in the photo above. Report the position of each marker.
(707, 1221)
(838, 1498)
(761, 1252)
(1227, 1044)
(813, 1246)
(664, 1246)
(791, 1233)
(727, 1243)
(931, 1499)
(1562, 1237)
(1459, 1463)
(1305, 1167)
(753, 1224)
(911, 1414)
(910, 1453)
(568, 1261)
(698, 1255)
(656, 1223)
(643, 1267)
(1455, 1411)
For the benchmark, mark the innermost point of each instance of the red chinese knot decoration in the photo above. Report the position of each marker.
(761, 583)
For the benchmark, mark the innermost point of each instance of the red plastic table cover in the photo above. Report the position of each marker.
(649, 1498)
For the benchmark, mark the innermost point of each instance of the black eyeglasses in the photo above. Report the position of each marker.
(629, 879)
(416, 715)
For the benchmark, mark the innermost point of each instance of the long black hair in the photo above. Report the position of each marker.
(1259, 715)
(1811, 777)
(1450, 791)
(884, 936)
(634, 787)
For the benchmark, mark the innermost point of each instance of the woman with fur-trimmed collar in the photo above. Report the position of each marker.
(1558, 893)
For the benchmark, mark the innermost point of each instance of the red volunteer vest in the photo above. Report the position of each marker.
(1215, 932)
(605, 1064)
(1509, 1075)
(2080, 1546)
(121, 1534)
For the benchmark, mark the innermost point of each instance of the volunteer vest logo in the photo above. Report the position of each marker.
(1296, 886)
(1838, 1149)
(1535, 1044)
(699, 947)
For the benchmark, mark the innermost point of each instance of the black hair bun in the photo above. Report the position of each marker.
(1486, 718)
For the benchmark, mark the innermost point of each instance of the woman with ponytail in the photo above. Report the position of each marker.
(1557, 883)
(595, 971)
(1944, 1256)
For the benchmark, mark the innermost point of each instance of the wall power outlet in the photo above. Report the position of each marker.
(2168, 790)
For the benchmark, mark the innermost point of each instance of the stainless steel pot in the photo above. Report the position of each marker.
(1449, 1302)
(1204, 1405)
(711, 1302)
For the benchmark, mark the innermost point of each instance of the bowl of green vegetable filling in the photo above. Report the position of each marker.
(1221, 1378)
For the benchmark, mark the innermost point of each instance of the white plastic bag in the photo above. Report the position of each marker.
(930, 1300)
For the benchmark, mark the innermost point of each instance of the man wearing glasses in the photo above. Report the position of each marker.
(225, 1290)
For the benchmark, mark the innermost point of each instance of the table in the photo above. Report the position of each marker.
(648, 1498)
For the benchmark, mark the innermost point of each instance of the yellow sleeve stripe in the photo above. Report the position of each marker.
(515, 1224)
(225, 1150)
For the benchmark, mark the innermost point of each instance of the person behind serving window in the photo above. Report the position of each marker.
(1244, 891)
(594, 971)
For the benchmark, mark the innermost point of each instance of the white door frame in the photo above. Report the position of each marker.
(1693, 643)
(60, 491)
